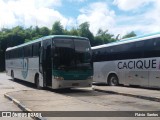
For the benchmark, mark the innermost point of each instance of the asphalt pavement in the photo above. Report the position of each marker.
(142, 93)
(98, 98)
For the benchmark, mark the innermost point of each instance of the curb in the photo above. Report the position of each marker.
(22, 107)
(129, 95)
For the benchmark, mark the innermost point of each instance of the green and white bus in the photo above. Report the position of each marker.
(56, 61)
(132, 61)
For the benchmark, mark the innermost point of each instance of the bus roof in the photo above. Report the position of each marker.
(129, 40)
(44, 38)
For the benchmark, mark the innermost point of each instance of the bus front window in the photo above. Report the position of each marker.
(82, 54)
(72, 54)
(63, 54)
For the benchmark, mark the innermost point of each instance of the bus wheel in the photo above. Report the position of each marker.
(113, 80)
(37, 82)
(12, 75)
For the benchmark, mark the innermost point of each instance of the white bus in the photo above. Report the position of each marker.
(53, 61)
(133, 61)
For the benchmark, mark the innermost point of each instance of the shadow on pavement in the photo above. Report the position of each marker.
(78, 92)
(130, 86)
(24, 83)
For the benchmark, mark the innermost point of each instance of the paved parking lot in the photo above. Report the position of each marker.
(98, 98)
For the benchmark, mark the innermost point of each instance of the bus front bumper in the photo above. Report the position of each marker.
(57, 84)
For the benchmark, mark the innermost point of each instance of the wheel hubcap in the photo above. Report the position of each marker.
(113, 81)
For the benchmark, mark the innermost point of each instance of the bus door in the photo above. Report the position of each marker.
(46, 62)
(131, 78)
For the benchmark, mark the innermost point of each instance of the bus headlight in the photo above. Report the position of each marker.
(58, 78)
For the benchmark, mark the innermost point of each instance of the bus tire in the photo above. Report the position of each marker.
(12, 75)
(113, 80)
(37, 81)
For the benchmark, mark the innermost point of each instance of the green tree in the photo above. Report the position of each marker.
(18, 35)
(103, 37)
(73, 31)
(44, 31)
(85, 32)
(9, 38)
(128, 35)
(57, 28)
(28, 33)
(66, 32)
(36, 33)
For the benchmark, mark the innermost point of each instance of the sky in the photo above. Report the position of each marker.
(116, 16)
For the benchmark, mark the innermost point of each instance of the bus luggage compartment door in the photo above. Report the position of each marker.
(154, 79)
(137, 78)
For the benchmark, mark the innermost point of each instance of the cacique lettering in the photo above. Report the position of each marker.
(130, 64)
(140, 64)
(147, 65)
(125, 65)
(154, 63)
(119, 67)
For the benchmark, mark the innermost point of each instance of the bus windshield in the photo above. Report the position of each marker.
(72, 54)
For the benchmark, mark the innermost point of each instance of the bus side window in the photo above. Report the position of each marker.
(95, 55)
(18, 53)
(12, 53)
(28, 51)
(152, 47)
(156, 48)
(138, 50)
(21, 52)
(139, 46)
(36, 48)
(25, 51)
(156, 44)
(7, 55)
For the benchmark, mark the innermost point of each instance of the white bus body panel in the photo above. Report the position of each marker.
(24, 69)
(145, 73)
(102, 70)
(154, 79)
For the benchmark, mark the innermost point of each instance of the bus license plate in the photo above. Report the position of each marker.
(75, 84)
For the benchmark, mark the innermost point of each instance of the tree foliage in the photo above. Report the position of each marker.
(19, 35)
(73, 31)
(85, 32)
(57, 28)
(103, 37)
(128, 35)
